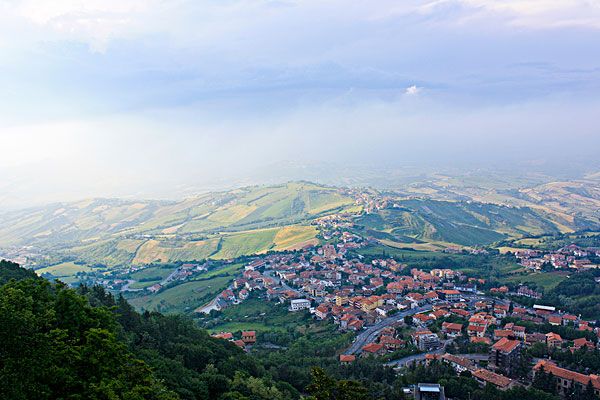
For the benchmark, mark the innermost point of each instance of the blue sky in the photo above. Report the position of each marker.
(103, 97)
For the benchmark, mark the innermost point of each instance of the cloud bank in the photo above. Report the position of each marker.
(158, 98)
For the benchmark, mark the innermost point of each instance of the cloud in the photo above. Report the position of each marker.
(98, 22)
(536, 14)
(412, 90)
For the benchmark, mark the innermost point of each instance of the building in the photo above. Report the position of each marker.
(429, 391)
(374, 349)
(504, 355)
(347, 358)
(459, 364)
(553, 339)
(322, 311)
(425, 340)
(449, 295)
(476, 331)
(299, 304)
(452, 329)
(567, 379)
(485, 377)
(249, 337)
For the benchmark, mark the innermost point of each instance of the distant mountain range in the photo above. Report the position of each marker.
(433, 213)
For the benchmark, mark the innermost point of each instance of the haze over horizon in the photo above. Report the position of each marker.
(157, 99)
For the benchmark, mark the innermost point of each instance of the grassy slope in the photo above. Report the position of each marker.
(115, 232)
(184, 297)
(259, 315)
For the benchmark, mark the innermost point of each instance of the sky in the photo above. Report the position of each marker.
(161, 99)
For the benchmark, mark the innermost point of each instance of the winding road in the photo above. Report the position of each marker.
(370, 334)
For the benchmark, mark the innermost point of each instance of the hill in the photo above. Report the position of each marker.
(219, 225)
(59, 343)
(65, 239)
(571, 205)
(456, 222)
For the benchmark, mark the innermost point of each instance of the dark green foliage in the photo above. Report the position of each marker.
(324, 387)
(56, 343)
(10, 270)
(53, 344)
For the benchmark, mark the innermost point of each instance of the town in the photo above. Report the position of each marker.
(435, 315)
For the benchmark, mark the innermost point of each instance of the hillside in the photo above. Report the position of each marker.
(219, 225)
(69, 238)
(463, 223)
(61, 343)
(571, 205)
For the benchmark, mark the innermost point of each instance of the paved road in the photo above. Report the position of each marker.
(207, 308)
(126, 287)
(285, 286)
(370, 334)
(403, 362)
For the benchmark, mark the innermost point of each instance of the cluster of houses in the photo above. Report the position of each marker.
(571, 256)
(507, 342)
(245, 341)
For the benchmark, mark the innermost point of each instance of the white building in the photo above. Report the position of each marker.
(299, 304)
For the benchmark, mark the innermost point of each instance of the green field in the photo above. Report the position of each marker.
(547, 280)
(490, 266)
(158, 272)
(229, 270)
(65, 269)
(222, 225)
(182, 298)
(259, 315)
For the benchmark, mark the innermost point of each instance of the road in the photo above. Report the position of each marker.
(285, 286)
(126, 287)
(370, 334)
(403, 362)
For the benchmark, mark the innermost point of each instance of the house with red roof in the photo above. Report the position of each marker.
(566, 379)
(347, 358)
(249, 337)
(485, 377)
(452, 329)
(373, 349)
(553, 339)
(476, 330)
(504, 355)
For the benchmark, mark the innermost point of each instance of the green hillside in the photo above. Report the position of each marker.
(463, 223)
(216, 225)
(258, 219)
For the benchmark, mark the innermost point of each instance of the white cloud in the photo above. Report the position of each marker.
(98, 22)
(413, 90)
(537, 14)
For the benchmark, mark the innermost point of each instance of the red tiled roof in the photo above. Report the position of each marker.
(483, 340)
(452, 326)
(506, 345)
(553, 336)
(493, 378)
(474, 328)
(552, 368)
(372, 348)
(347, 357)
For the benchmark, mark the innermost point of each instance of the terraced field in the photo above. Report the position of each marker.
(218, 225)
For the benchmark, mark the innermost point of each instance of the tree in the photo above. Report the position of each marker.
(544, 381)
(324, 387)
